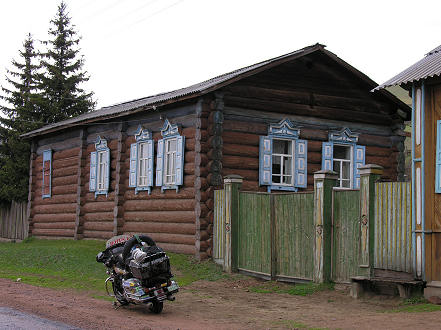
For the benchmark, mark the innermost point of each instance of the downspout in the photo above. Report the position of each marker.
(423, 184)
(413, 185)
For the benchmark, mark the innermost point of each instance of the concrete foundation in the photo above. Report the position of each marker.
(432, 289)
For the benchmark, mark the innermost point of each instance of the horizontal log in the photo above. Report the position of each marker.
(54, 225)
(240, 137)
(65, 162)
(178, 248)
(159, 205)
(160, 216)
(98, 234)
(65, 171)
(89, 197)
(161, 239)
(374, 140)
(156, 227)
(74, 152)
(98, 216)
(96, 207)
(63, 217)
(62, 190)
(251, 175)
(313, 134)
(249, 163)
(245, 127)
(55, 208)
(56, 199)
(241, 150)
(65, 180)
(53, 232)
(98, 226)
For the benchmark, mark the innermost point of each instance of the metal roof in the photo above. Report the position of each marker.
(429, 66)
(151, 102)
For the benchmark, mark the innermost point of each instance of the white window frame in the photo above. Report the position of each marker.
(167, 174)
(282, 156)
(143, 166)
(101, 167)
(341, 161)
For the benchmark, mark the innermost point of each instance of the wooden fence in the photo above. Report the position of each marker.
(14, 221)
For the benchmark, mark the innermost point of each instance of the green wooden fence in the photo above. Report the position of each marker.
(346, 235)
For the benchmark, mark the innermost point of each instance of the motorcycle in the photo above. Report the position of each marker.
(139, 272)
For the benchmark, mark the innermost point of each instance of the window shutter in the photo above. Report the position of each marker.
(180, 149)
(133, 164)
(438, 158)
(150, 155)
(47, 173)
(159, 162)
(327, 156)
(107, 176)
(92, 179)
(301, 157)
(265, 160)
(359, 159)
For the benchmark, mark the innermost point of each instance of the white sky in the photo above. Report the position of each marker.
(137, 48)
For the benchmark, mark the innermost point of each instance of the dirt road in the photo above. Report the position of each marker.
(218, 305)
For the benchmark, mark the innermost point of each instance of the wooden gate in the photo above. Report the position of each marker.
(345, 234)
(275, 237)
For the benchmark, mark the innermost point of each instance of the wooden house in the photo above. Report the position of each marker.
(423, 81)
(151, 165)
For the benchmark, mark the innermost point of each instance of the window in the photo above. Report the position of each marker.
(47, 170)
(141, 161)
(170, 158)
(342, 155)
(283, 158)
(100, 168)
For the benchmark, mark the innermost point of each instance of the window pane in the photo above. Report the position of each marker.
(276, 178)
(287, 179)
(282, 147)
(287, 166)
(277, 167)
(342, 152)
(172, 145)
(346, 170)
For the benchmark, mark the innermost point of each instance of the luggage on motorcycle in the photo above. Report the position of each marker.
(155, 264)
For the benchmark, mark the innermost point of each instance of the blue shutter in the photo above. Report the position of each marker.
(180, 149)
(438, 158)
(133, 165)
(92, 179)
(150, 151)
(265, 160)
(301, 158)
(359, 160)
(159, 162)
(47, 157)
(327, 156)
(107, 168)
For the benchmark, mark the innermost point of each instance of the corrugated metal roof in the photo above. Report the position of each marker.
(150, 102)
(429, 66)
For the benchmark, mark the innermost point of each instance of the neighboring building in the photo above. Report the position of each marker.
(424, 82)
(151, 165)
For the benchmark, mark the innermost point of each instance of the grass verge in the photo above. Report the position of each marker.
(415, 305)
(69, 264)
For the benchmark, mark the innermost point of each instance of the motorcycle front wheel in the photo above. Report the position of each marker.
(156, 307)
(118, 291)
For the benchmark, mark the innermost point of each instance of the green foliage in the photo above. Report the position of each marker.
(63, 76)
(296, 290)
(71, 264)
(416, 308)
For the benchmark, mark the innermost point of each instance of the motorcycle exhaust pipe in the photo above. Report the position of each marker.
(171, 298)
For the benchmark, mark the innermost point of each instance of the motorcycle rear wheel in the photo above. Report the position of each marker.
(156, 307)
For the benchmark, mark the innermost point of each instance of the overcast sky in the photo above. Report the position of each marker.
(137, 48)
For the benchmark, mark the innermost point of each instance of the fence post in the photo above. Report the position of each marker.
(369, 174)
(232, 185)
(324, 182)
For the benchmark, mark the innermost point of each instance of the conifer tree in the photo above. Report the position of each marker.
(63, 71)
(21, 114)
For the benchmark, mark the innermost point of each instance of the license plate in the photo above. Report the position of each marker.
(173, 287)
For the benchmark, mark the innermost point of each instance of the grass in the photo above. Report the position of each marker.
(415, 305)
(291, 324)
(296, 290)
(69, 264)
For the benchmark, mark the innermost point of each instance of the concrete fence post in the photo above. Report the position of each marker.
(324, 182)
(369, 174)
(232, 184)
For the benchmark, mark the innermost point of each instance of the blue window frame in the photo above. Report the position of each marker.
(47, 174)
(342, 155)
(141, 161)
(283, 158)
(100, 168)
(170, 158)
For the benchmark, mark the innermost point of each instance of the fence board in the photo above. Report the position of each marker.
(393, 226)
(219, 226)
(254, 239)
(294, 235)
(14, 221)
(346, 234)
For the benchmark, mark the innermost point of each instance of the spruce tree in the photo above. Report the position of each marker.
(21, 114)
(63, 71)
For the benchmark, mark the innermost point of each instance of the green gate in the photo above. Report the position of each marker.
(276, 235)
(345, 234)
